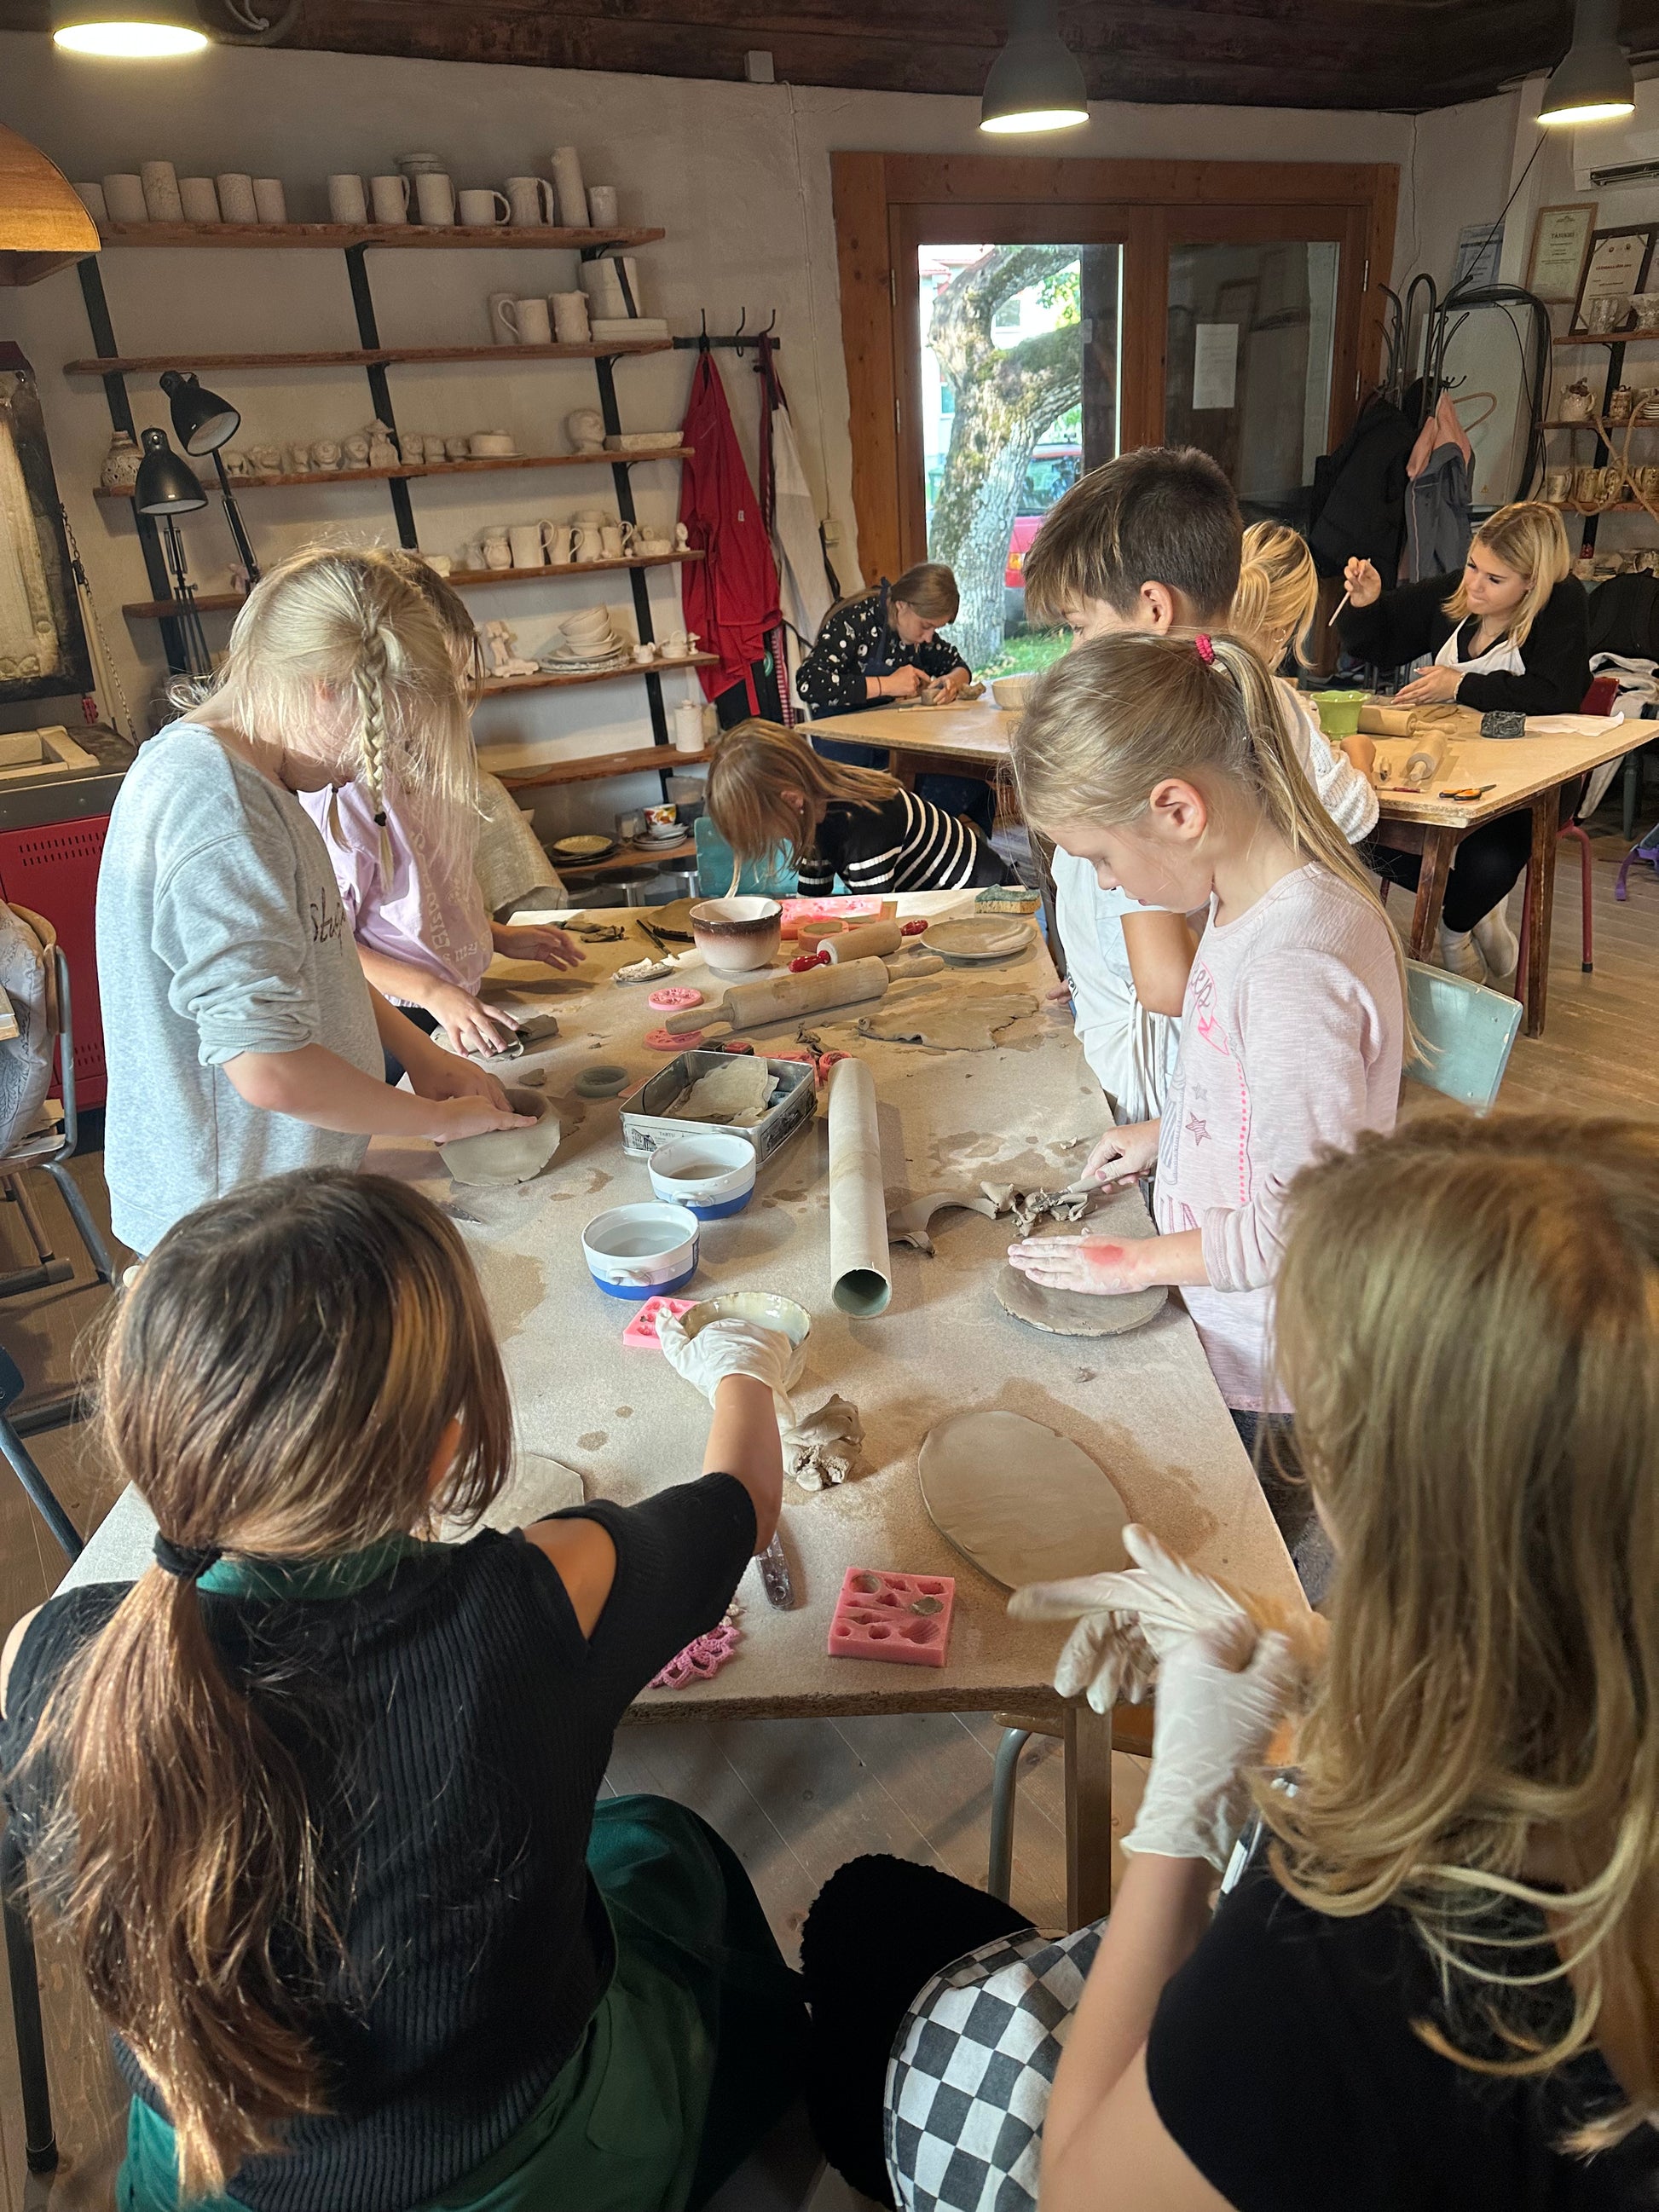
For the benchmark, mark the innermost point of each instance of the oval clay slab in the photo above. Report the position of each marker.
(1024, 1503)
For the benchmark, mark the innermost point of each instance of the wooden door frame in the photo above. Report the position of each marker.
(879, 203)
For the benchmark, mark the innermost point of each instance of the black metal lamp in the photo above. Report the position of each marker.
(202, 423)
(167, 487)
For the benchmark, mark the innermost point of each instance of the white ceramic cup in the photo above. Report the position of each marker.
(688, 726)
(198, 199)
(389, 198)
(269, 200)
(555, 537)
(124, 195)
(347, 200)
(478, 209)
(585, 543)
(91, 197)
(602, 206)
(500, 329)
(526, 320)
(434, 199)
(570, 324)
(531, 199)
(525, 539)
(159, 180)
(612, 541)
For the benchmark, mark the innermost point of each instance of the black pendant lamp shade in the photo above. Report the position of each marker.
(202, 421)
(165, 484)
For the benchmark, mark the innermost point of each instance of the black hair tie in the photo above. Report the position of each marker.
(189, 1562)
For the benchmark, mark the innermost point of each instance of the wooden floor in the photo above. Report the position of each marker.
(795, 1799)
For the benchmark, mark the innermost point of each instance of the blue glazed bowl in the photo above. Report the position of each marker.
(710, 1176)
(642, 1251)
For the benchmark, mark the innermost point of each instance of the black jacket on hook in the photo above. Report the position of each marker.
(1359, 494)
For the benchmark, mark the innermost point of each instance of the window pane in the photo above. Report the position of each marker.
(1251, 335)
(1019, 395)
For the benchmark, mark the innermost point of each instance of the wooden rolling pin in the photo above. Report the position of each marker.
(874, 940)
(781, 998)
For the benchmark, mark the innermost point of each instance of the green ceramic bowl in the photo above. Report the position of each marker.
(1339, 711)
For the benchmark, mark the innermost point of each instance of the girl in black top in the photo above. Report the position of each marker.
(1433, 1989)
(769, 790)
(316, 1796)
(1511, 633)
(885, 645)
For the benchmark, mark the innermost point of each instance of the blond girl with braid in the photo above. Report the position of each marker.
(241, 1037)
(1166, 761)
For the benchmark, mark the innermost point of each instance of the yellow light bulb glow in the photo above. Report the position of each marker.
(1046, 118)
(1606, 110)
(135, 40)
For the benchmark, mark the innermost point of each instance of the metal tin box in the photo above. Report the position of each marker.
(647, 1123)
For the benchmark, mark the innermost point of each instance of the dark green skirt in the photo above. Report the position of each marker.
(695, 2052)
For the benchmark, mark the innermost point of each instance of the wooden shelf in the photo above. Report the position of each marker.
(549, 236)
(1580, 422)
(214, 603)
(576, 872)
(429, 469)
(1618, 506)
(145, 364)
(1609, 338)
(600, 767)
(546, 681)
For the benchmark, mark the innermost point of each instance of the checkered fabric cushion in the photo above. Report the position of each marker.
(972, 2066)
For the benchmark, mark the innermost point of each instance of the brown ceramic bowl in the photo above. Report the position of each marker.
(736, 934)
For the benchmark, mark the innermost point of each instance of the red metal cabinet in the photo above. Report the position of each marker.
(54, 870)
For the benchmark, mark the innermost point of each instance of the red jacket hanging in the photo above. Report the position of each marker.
(731, 595)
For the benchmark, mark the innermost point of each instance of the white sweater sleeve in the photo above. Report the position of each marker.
(1346, 795)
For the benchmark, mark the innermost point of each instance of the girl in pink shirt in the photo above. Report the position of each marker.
(1164, 761)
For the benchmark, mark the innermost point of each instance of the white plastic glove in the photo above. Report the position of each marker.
(733, 1347)
(1127, 1621)
(1214, 1722)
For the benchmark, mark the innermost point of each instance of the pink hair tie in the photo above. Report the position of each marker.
(1205, 650)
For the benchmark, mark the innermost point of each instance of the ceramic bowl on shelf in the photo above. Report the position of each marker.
(642, 1251)
(710, 1176)
(736, 934)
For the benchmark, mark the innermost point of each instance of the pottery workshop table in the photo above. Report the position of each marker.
(923, 739)
(1144, 1405)
(1529, 771)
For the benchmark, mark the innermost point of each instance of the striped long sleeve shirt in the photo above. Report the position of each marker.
(905, 844)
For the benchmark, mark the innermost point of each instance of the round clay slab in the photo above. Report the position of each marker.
(1072, 1313)
(1024, 1504)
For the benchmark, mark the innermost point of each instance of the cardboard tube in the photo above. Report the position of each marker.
(860, 1282)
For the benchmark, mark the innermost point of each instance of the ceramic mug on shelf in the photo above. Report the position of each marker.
(91, 197)
(198, 199)
(616, 538)
(678, 645)
(525, 321)
(235, 193)
(688, 726)
(124, 195)
(585, 543)
(389, 198)
(1589, 486)
(480, 209)
(500, 329)
(570, 324)
(555, 537)
(602, 206)
(270, 199)
(434, 198)
(1557, 486)
(347, 200)
(1620, 400)
(525, 540)
(159, 184)
(531, 199)
(1647, 481)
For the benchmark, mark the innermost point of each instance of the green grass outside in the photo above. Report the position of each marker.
(1025, 655)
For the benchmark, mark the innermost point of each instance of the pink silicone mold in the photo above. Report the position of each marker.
(641, 1331)
(905, 1619)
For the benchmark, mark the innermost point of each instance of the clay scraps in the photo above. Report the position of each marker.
(824, 1449)
(704, 1656)
(1028, 1207)
(909, 1224)
(944, 1021)
(643, 971)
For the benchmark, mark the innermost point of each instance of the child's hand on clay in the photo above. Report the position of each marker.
(471, 1115)
(436, 1074)
(537, 940)
(469, 1024)
(1096, 1266)
(1122, 1154)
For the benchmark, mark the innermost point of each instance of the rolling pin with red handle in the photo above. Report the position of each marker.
(781, 998)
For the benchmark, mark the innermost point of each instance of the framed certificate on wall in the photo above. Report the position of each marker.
(1560, 246)
(1617, 265)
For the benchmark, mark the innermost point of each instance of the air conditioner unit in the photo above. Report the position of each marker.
(1607, 156)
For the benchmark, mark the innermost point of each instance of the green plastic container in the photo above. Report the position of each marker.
(1339, 711)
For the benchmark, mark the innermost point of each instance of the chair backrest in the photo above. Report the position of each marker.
(1466, 1031)
(35, 1013)
(772, 878)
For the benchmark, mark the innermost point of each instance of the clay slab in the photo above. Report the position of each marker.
(1022, 1502)
(1071, 1313)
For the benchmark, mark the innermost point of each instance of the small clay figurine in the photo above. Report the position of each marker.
(585, 428)
(505, 658)
(299, 460)
(681, 539)
(382, 453)
(356, 450)
(325, 454)
(267, 459)
(236, 462)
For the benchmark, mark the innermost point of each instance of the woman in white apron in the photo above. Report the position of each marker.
(1512, 633)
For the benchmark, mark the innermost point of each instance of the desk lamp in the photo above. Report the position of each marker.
(202, 423)
(167, 487)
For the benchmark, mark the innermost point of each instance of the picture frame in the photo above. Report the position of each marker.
(1560, 248)
(1615, 267)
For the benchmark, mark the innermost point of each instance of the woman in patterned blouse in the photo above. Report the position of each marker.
(883, 646)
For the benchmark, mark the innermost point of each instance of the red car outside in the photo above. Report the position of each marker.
(1051, 470)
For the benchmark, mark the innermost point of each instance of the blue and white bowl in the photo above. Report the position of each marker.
(642, 1251)
(711, 1176)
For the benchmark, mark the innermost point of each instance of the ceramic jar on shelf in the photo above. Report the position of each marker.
(120, 469)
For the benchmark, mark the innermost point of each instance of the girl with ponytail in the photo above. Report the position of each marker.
(241, 1037)
(1166, 762)
(315, 1797)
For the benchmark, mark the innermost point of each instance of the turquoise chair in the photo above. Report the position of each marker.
(1466, 1032)
(772, 878)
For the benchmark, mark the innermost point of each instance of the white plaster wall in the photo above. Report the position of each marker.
(738, 175)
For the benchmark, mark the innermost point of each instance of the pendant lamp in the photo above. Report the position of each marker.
(1592, 82)
(1036, 82)
(128, 30)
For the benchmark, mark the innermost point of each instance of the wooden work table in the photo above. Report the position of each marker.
(1144, 1405)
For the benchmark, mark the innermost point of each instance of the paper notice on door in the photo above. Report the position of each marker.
(1215, 364)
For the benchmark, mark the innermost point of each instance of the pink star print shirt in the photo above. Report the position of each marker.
(1291, 1040)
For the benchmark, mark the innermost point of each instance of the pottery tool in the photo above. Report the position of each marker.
(905, 1619)
(1337, 609)
(782, 998)
(1469, 791)
(774, 1574)
(860, 1277)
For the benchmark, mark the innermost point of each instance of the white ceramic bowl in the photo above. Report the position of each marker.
(769, 1308)
(736, 934)
(642, 1251)
(1009, 692)
(711, 1176)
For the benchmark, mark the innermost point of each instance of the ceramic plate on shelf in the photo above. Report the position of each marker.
(588, 848)
(974, 942)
